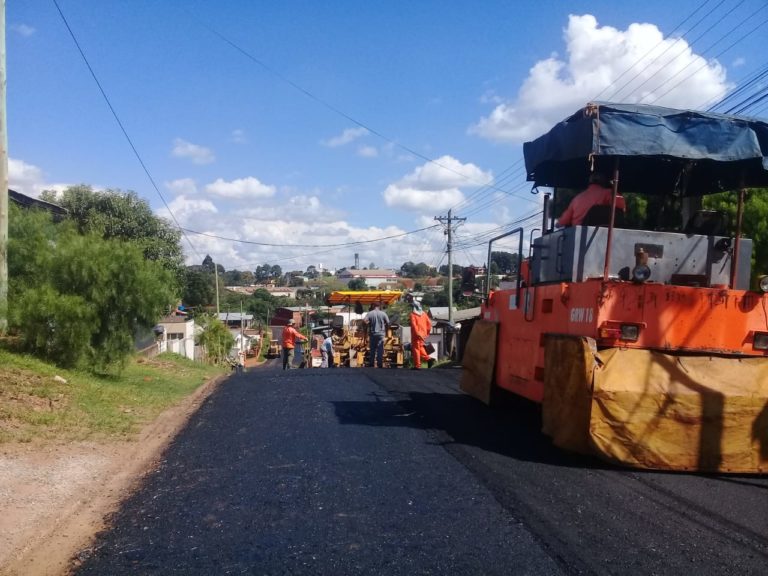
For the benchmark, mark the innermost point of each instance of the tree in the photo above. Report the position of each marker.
(457, 270)
(420, 270)
(506, 263)
(121, 215)
(754, 224)
(199, 287)
(357, 284)
(77, 299)
(215, 339)
(262, 305)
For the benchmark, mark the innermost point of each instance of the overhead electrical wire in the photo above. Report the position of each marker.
(122, 127)
(283, 245)
(324, 103)
(726, 49)
(668, 48)
(626, 71)
(754, 79)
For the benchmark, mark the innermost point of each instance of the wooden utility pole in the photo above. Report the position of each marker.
(3, 183)
(448, 221)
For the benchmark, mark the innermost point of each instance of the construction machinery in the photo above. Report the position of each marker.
(350, 334)
(647, 345)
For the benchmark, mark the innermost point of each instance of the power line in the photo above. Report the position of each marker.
(341, 245)
(620, 76)
(122, 127)
(336, 110)
(740, 39)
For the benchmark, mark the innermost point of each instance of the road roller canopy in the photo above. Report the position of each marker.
(656, 150)
(351, 297)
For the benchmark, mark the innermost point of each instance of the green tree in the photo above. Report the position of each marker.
(262, 305)
(754, 224)
(116, 214)
(199, 287)
(215, 339)
(79, 299)
(357, 284)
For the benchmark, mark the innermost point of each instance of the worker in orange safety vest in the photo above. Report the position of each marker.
(290, 335)
(420, 329)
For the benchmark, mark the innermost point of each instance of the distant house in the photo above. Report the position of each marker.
(282, 291)
(452, 342)
(434, 284)
(176, 334)
(236, 320)
(373, 278)
(28, 202)
(284, 314)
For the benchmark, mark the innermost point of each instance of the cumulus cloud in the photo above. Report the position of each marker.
(368, 151)
(182, 186)
(188, 211)
(349, 135)
(23, 29)
(194, 152)
(238, 136)
(29, 179)
(240, 188)
(435, 186)
(669, 73)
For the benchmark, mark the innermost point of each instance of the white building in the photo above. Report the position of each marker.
(176, 334)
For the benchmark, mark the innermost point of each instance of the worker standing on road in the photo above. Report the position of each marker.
(377, 321)
(327, 351)
(290, 335)
(421, 326)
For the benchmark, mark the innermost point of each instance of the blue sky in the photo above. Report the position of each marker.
(288, 131)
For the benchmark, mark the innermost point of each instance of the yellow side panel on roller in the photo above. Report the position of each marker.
(657, 410)
(479, 361)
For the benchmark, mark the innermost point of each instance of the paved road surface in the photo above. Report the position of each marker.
(395, 472)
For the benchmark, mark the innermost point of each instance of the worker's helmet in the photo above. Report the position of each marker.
(291, 322)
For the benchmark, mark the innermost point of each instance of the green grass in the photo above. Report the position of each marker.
(35, 407)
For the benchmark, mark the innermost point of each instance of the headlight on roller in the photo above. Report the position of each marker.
(641, 273)
(763, 283)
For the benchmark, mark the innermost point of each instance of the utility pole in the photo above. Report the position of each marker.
(216, 278)
(3, 183)
(448, 222)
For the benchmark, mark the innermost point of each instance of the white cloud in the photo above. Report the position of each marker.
(435, 186)
(349, 135)
(29, 179)
(239, 137)
(426, 200)
(189, 211)
(739, 62)
(194, 152)
(368, 151)
(23, 29)
(241, 188)
(595, 65)
(182, 186)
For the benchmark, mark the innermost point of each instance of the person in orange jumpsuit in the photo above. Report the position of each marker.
(420, 329)
(290, 335)
(598, 193)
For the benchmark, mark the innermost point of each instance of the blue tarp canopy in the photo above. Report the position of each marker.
(658, 150)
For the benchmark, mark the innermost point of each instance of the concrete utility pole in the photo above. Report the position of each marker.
(3, 183)
(448, 222)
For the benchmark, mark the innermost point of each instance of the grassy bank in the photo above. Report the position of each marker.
(34, 406)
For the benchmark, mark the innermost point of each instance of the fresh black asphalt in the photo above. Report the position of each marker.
(362, 471)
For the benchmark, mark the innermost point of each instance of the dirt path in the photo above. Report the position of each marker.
(54, 499)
